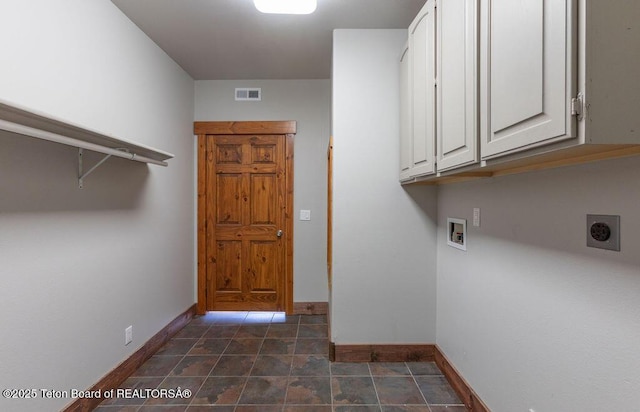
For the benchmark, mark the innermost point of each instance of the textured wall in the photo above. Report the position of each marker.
(384, 273)
(308, 103)
(79, 266)
(530, 316)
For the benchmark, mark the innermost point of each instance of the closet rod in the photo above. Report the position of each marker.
(53, 137)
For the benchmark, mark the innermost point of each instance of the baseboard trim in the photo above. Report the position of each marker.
(383, 353)
(466, 393)
(121, 372)
(411, 353)
(310, 308)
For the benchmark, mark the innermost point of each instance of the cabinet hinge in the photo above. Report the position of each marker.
(577, 106)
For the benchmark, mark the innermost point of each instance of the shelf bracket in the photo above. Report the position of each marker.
(82, 175)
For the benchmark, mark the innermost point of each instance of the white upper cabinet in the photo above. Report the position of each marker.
(532, 84)
(406, 155)
(608, 69)
(457, 126)
(528, 60)
(422, 74)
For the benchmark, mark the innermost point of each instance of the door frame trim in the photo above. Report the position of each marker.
(201, 130)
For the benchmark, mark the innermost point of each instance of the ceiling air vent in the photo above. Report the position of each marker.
(254, 94)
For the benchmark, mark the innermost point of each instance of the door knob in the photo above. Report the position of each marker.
(279, 233)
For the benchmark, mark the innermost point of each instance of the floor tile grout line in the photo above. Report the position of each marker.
(195, 392)
(295, 346)
(375, 387)
(331, 386)
(169, 374)
(244, 387)
(214, 366)
(286, 391)
(447, 404)
(210, 372)
(413, 376)
(296, 340)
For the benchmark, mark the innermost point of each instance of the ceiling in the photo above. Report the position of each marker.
(230, 39)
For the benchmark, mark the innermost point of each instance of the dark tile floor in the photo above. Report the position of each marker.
(264, 362)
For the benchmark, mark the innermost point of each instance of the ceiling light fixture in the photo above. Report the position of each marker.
(286, 6)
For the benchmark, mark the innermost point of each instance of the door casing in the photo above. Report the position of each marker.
(202, 130)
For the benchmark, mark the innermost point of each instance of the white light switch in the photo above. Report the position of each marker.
(476, 217)
(305, 214)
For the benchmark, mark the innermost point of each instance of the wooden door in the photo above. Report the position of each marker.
(457, 109)
(528, 52)
(245, 192)
(422, 46)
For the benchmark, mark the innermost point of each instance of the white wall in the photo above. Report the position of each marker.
(79, 266)
(384, 276)
(529, 315)
(307, 102)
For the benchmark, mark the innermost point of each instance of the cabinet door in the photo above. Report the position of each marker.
(457, 129)
(422, 44)
(405, 117)
(527, 51)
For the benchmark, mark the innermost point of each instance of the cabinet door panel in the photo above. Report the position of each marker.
(530, 83)
(517, 60)
(405, 117)
(422, 48)
(457, 83)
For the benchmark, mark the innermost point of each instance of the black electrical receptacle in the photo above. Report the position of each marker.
(603, 232)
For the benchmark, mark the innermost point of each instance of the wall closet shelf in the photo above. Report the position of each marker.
(23, 121)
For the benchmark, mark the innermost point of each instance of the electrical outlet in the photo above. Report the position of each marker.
(603, 232)
(128, 335)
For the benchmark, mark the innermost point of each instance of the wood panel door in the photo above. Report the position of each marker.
(245, 197)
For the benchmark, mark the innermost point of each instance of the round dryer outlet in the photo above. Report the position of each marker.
(600, 231)
(603, 232)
